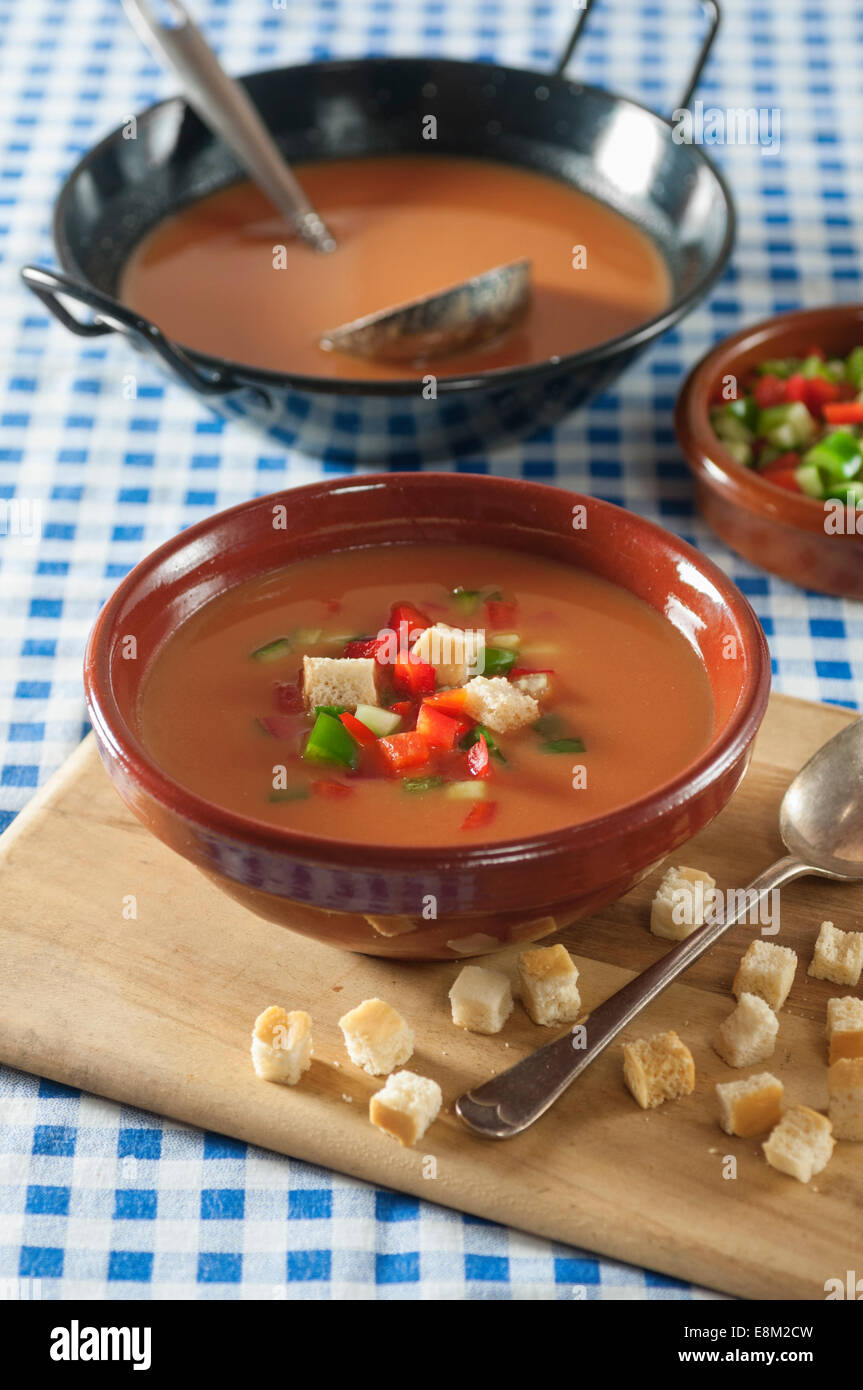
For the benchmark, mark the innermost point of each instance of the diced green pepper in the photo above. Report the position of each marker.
(854, 368)
(466, 600)
(497, 661)
(783, 367)
(562, 745)
(786, 426)
(813, 366)
(848, 492)
(422, 784)
(809, 480)
(838, 456)
(295, 793)
(334, 710)
(330, 742)
(273, 651)
(472, 737)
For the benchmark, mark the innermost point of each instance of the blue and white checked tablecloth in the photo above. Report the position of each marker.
(100, 1201)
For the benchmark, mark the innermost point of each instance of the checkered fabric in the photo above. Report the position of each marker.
(99, 1201)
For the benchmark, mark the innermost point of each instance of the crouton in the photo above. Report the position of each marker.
(657, 1069)
(748, 1034)
(549, 985)
(801, 1144)
(845, 1080)
(838, 955)
(481, 1000)
(377, 1037)
(678, 907)
(845, 1027)
(751, 1106)
(339, 680)
(766, 970)
(282, 1045)
(495, 702)
(534, 683)
(405, 1107)
(452, 651)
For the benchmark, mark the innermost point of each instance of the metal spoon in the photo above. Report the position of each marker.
(453, 319)
(821, 824)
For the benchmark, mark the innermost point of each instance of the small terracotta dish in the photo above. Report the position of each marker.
(361, 896)
(781, 531)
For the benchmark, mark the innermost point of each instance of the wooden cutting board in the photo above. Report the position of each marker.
(157, 1012)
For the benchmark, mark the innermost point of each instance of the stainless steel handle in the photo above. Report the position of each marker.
(224, 106)
(513, 1100)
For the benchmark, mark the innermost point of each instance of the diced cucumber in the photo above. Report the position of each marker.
(730, 429)
(466, 600)
(854, 368)
(809, 480)
(510, 640)
(381, 721)
(787, 426)
(475, 790)
(421, 784)
(740, 452)
(273, 651)
(295, 793)
(307, 636)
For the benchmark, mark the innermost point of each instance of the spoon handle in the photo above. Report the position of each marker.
(512, 1101)
(224, 106)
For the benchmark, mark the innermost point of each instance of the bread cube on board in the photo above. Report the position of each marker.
(497, 703)
(750, 1106)
(657, 1069)
(845, 1027)
(766, 971)
(838, 955)
(282, 1045)
(339, 680)
(549, 985)
(845, 1081)
(405, 1107)
(748, 1034)
(801, 1144)
(481, 1000)
(678, 896)
(377, 1037)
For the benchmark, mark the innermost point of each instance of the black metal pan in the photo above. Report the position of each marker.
(607, 145)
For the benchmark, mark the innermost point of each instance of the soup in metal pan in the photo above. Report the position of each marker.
(425, 694)
(222, 277)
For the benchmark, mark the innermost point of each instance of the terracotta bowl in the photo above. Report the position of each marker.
(778, 530)
(487, 894)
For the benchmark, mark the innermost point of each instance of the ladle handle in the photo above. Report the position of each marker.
(516, 1098)
(225, 107)
(710, 8)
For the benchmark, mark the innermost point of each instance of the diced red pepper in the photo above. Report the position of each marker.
(289, 698)
(478, 760)
(357, 729)
(769, 390)
(480, 814)
(501, 614)
(819, 394)
(816, 351)
(401, 751)
(451, 701)
(402, 707)
(364, 646)
(438, 729)
(413, 677)
(530, 671)
(786, 479)
(333, 605)
(415, 621)
(844, 413)
(795, 387)
(280, 725)
(334, 790)
(781, 464)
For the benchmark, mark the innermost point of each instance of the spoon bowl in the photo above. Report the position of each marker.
(821, 817)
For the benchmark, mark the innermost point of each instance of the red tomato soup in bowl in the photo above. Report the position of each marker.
(424, 715)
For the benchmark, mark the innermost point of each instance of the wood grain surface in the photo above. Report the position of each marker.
(156, 1011)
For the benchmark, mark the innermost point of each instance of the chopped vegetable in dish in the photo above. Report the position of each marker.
(799, 424)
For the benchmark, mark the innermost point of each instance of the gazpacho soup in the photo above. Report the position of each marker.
(425, 694)
(224, 277)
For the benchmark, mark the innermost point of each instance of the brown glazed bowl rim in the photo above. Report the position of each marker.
(723, 752)
(707, 457)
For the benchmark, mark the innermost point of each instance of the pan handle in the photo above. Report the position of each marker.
(110, 317)
(711, 10)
